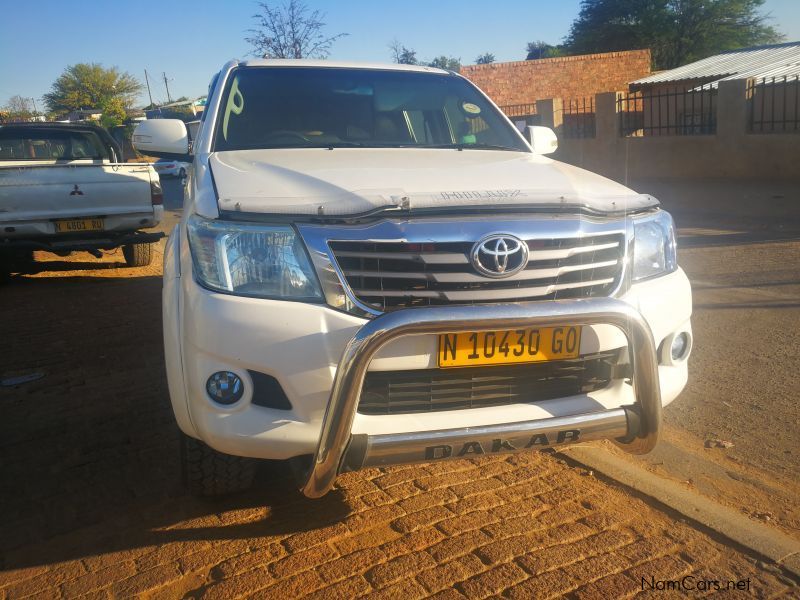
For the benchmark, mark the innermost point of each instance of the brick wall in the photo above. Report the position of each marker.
(567, 77)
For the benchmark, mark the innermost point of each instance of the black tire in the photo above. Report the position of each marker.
(182, 173)
(207, 472)
(137, 255)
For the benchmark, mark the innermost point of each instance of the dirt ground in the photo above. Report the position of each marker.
(740, 246)
(743, 383)
(92, 502)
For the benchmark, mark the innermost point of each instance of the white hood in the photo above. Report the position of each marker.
(350, 181)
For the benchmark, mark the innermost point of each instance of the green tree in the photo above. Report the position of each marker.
(539, 49)
(446, 62)
(676, 31)
(114, 113)
(485, 59)
(402, 55)
(290, 30)
(90, 86)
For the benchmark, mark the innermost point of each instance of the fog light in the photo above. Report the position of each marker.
(680, 346)
(225, 387)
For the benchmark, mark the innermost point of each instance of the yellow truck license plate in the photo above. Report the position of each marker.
(480, 348)
(71, 225)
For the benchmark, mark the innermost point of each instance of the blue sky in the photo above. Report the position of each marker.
(189, 40)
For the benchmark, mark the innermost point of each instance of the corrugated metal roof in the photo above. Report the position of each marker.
(778, 60)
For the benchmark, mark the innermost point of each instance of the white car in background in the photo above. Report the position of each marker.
(171, 168)
(63, 189)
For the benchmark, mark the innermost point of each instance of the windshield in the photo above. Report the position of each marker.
(40, 143)
(297, 107)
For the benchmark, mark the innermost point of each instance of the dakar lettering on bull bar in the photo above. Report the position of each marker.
(480, 194)
(475, 448)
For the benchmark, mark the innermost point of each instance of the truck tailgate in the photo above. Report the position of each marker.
(37, 192)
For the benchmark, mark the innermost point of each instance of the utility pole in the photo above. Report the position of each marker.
(147, 81)
(166, 85)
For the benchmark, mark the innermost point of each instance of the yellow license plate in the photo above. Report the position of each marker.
(481, 348)
(72, 225)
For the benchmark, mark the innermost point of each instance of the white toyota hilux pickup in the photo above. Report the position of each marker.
(375, 267)
(64, 188)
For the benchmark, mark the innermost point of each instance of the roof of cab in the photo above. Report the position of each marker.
(337, 64)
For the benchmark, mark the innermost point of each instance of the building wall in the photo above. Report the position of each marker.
(526, 81)
(732, 153)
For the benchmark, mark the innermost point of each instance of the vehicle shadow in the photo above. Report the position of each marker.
(717, 238)
(768, 305)
(749, 284)
(90, 457)
(39, 266)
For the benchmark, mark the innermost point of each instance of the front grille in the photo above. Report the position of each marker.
(393, 275)
(430, 390)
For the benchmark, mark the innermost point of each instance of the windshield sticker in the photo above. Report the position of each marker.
(479, 194)
(470, 108)
(235, 105)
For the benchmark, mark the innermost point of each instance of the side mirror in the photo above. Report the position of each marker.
(163, 138)
(543, 140)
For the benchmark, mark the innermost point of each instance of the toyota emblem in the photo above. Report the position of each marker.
(499, 256)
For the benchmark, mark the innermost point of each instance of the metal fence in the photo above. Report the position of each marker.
(660, 111)
(578, 120)
(519, 110)
(773, 105)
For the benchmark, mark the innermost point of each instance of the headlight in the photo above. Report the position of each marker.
(654, 251)
(265, 261)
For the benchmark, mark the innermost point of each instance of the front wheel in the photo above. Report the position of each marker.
(207, 472)
(137, 255)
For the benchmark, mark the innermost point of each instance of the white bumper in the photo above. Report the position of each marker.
(112, 223)
(301, 344)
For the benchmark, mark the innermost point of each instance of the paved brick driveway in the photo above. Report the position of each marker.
(92, 502)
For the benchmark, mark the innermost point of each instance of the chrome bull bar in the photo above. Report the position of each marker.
(635, 428)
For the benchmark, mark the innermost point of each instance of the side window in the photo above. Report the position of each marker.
(45, 150)
(95, 147)
(11, 149)
(211, 87)
(43, 144)
(81, 148)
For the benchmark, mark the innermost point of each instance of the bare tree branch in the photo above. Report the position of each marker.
(19, 105)
(290, 30)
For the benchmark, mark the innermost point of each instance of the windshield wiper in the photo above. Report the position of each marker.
(463, 146)
(339, 144)
(330, 146)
